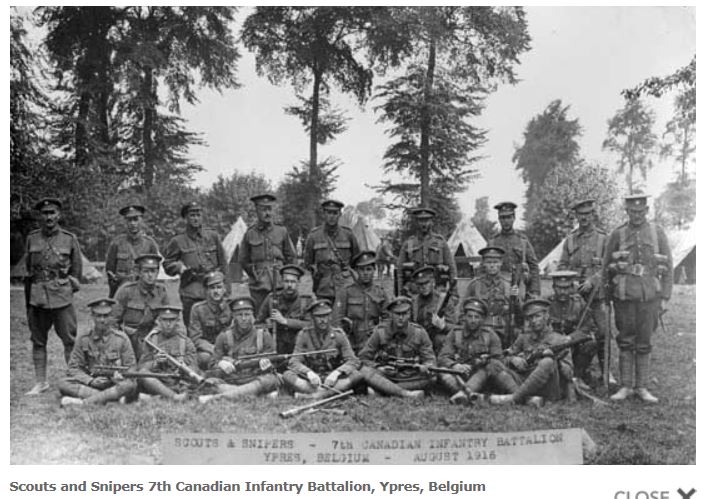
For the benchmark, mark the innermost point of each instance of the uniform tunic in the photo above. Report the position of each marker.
(423, 309)
(419, 251)
(178, 346)
(133, 310)
(293, 309)
(233, 343)
(463, 347)
(328, 253)
(495, 291)
(207, 320)
(93, 349)
(637, 291)
(364, 306)
(120, 257)
(52, 257)
(308, 340)
(518, 250)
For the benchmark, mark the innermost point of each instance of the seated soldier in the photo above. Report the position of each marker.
(541, 372)
(90, 379)
(565, 312)
(322, 374)
(427, 304)
(287, 310)
(475, 350)
(209, 317)
(169, 337)
(136, 301)
(242, 377)
(393, 341)
(361, 303)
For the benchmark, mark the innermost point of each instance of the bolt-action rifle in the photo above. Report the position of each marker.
(182, 367)
(109, 371)
(314, 405)
(556, 349)
(249, 361)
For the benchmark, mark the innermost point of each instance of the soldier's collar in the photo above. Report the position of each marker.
(191, 231)
(264, 225)
(148, 288)
(399, 332)
(331, 230)
(216, 306)
(50, 232)
(239, 334)
(94, 335)
(134, 237)
(508, 232)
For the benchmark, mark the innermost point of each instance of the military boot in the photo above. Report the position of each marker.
(39, 360)
(66, 401)
(626, 365)
(642, 377)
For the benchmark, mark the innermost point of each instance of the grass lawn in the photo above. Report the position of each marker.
(42, 432)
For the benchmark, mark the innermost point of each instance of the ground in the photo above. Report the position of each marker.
(41, 432)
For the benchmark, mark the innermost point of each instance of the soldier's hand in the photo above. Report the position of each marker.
(117, 376)
(518, 363)
(662, 305)
(586, 287)
(278, 317)
(100, 383)
(314, 379)
(547, 352)
(423, 369)
(265, 364)
(438, 321)
(160, 358)
(482, 360)
(386, 370)
(226, 366)
(332, 378)
(464, 368)
(514, 290)
(213, 381)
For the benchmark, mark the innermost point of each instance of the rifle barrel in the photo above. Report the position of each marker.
(296, 410)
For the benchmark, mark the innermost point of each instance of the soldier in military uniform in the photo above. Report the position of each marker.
(322, 374)
(638, 269)
(171, 338)
(54, 267)
(395, 340)
(362, 303)
(424, 248)
(474, 349)
(243, 378)
(209, 318)
(120, 264)
(264, 248)
(565, 311)
(328, 252)
(549, 374)
(135, 302)
(101, 347)
(192, 255)
(496, 291)
(426, 307)
(583, 252)
(519, 255)
(286, 309)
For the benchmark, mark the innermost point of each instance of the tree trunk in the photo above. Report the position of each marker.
(81, 133)
(147, 128)
(315, 177)
(425, 121)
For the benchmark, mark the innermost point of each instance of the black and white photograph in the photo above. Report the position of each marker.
(352, 235)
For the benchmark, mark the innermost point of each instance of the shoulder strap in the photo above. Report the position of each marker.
(600, 242)
(182, 347)
(229, 338)
(259, 340)
(655, 238)
(621, 236)
(570, 243)
(524, 249)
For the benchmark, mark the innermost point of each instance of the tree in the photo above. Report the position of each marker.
(373, 208)
(681, 135)
(549, 141)
(630, 136)
(460, 54)
(552, 217)
(313, 48)
(676, 206)
(480, 218)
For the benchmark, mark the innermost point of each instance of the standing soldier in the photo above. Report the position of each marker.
(427, 304)
(519, 260)
(423, 248)
(328, 252)
(265, 247)
(100, 348)
(474, 349)
(54, 266)
(638, 269)
(361, 304)
(566, 311)
(503, 313)
(209, 318)
(120, 264)
(384, 257)
(192, 255)
(322, 373)
(398, 339)
(243, 339)
(135, 302)
(286, 308)
(548, 373)
(583, 252)
(172, 340)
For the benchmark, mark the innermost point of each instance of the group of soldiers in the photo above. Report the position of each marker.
(498, 342)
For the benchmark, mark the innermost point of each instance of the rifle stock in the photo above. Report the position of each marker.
(181, 366)
(297, 410)
(557, 348)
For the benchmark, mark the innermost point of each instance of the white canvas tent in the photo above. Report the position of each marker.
(683, 252)
(231, 244)
(366, 237)
(466, 240)
(550, 262)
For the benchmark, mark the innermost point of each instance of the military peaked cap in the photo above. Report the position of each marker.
(636, 202)
(332, 203)
(102, 305)
(423, 212)
(491, 252)
(475, 304)
(152, 259)
(263, 199)
(213, 277)
(168, 311)
(48, 202)
(364, 258)
(292, 269)
(320, 306)
(423, 274)
(241, 303)
(584, 206)
(535, 305)
(506, 208)
(400, 304)
(192, 206)
(563, 277)
(132, 210)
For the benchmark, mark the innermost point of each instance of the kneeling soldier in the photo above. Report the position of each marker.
(322, 373)
(242, 339)
(433, 310)
(171, 341)
(475, 350)
(97, 360)
(209, 318)
(399, 341)
(540, 359)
